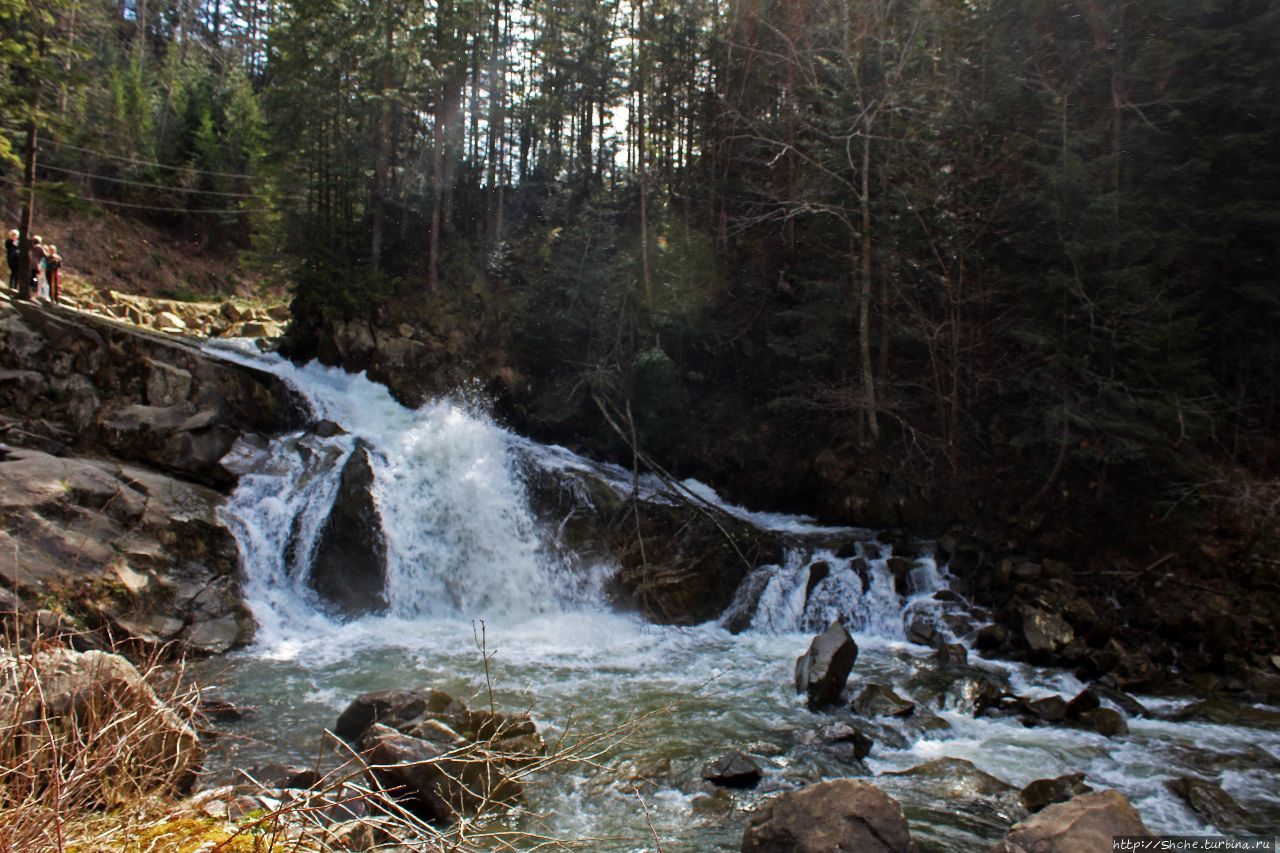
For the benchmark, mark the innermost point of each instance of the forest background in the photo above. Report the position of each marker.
(889, 261)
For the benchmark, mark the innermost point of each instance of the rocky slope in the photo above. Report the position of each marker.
(112, 470)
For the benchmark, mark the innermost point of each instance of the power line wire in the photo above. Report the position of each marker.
(136, 162)
(236, 211)
(144, 183)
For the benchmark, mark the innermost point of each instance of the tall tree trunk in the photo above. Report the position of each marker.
(641, 58)
(383, 163)
(865, 291)
(29, 181)
(437, 197)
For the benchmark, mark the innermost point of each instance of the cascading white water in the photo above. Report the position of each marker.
(463, 545)
(461, 540)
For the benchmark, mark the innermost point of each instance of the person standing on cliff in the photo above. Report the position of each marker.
(52, 272)
(37, 259)
(13, 255)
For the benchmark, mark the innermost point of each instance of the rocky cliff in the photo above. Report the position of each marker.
(111, 475)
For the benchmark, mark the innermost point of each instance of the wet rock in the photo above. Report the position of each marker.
(430, 780)
(438, 758)
(991, 638)
(844, 814)
(818, 572)
(1085, 700)
(69, 695)
(844, 738)
(1045, 792)
(693, 563)
(1027, 571)
(420, 712)
(901, 568)
(221, 711)
(732, 770)
(952, 654)
(923, 632)
(1214, 805)
(1084, 823)
(395, 708)
(166, 385)
(1123, 700)
(1104, 721)
(955, 780)
(1228, 713)
(130, 394)
(280, 776)
(821, 672)
(975, 694)
(1050, 709)
(349, 563)
(877, 700)
(1044, 633)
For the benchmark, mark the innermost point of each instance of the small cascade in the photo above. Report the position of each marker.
(862, 584)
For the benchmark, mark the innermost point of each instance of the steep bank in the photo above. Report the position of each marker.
(115, 440)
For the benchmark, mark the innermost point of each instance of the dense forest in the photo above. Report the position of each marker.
(1026, 248)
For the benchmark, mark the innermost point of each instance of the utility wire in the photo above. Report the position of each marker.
(136, 162)
(236, 211)
(144, 183)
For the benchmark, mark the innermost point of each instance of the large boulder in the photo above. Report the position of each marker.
(434, 755)
(349, 562)
(822, 671)
(844, 814)
(58, 705)
(433, 779)
(681, 560)
(1081, 825)
(123, 549)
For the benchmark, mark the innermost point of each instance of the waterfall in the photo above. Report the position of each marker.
(462, 541)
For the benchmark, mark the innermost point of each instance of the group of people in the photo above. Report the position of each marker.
(43, 259)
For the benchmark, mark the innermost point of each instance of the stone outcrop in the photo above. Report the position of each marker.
(844, 814)
(113, 436)
(128, 551)
(71, 382)
(130, 739)
(822, 671)
(349, 562)
(1087, 822)
(438, 758)
(684, 564)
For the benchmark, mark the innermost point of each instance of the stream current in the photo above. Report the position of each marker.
(466, 556)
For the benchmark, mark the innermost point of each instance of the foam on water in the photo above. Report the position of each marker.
(464, 548)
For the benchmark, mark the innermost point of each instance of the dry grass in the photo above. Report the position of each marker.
(102, 771)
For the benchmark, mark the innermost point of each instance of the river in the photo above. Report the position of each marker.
(470, 567)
